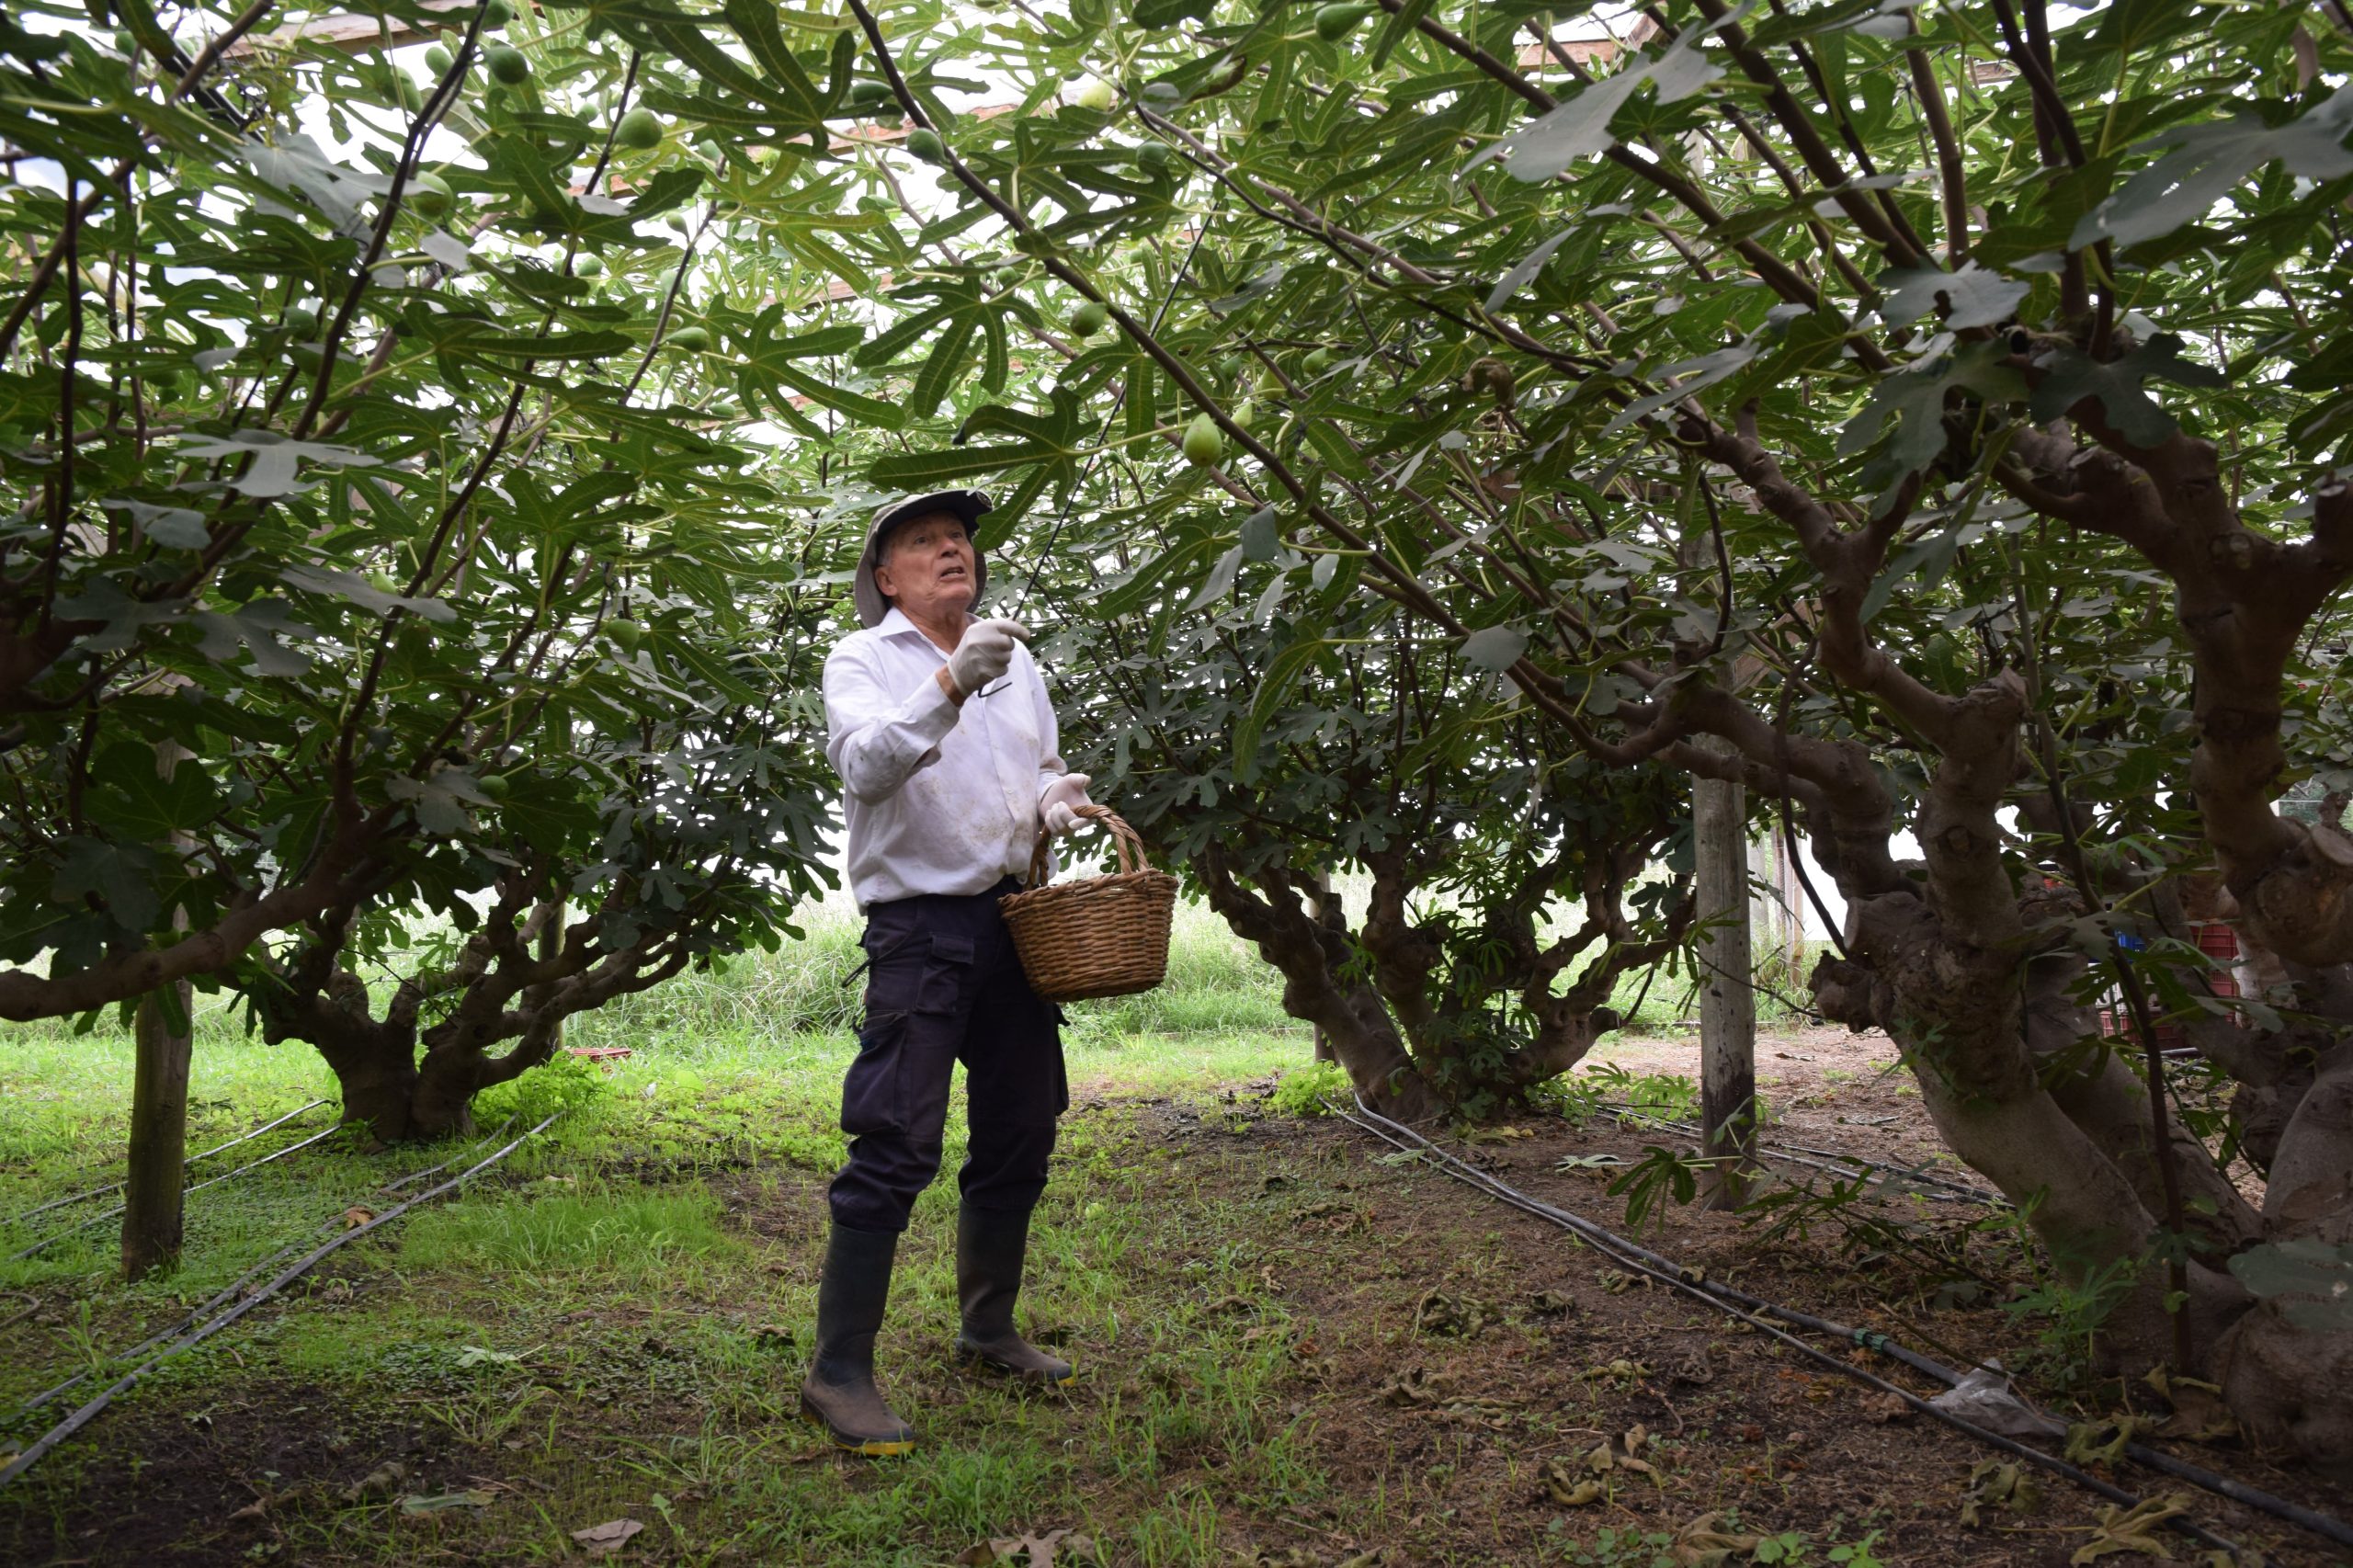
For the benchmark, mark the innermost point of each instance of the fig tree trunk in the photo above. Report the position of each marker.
(152, 1200)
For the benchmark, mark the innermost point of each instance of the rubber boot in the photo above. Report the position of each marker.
(989, 1250)
(839, 1392)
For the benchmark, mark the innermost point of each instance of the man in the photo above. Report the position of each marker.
(939, 726)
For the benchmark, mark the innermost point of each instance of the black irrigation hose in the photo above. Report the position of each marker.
(302, 1265)
(115, 1212)
(117, 1186)
(1753, 1311)
(1797, 1154)
(229, 1290)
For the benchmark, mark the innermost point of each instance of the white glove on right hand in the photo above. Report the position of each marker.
(984, 653)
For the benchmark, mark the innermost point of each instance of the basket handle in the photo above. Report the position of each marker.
(1130, 845)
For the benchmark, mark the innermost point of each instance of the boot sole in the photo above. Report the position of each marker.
(974, 1361)
(869, 1447)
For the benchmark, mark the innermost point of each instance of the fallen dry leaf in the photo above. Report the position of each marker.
(355, 1217)
(1562, 1485)
(2132, 1529)
(1884, 1407)
(381, 1482)
(1700, 1544)
(1032, 1550)
(603, 1540)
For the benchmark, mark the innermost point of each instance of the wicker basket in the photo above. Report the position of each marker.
(1097, 936)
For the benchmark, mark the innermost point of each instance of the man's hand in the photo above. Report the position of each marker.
(984, 653)
(1059, 802)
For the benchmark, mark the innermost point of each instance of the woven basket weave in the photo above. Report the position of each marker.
(1096, 936)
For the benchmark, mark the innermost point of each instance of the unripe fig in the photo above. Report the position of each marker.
(437, 59)
(507, 64)
(867, 92)
(638, 131)
(1154, 157)
(1318, 360)
(692, 339)
(1245, 414)
(1337, 20)
(497, 786)
(926, 144)
(1091, 93)
(626, 635)
(430, 195)
(496, 13)
(588, 264)
(1204, 443)
(1089, 318)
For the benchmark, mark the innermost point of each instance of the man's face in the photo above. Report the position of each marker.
(927, 566)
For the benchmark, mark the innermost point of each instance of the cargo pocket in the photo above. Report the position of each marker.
(873, 1090)
(946, 976)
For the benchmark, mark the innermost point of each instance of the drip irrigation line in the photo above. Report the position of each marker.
(117, 1186)
(1796, 1155)
(302, 1265)
(116, 1212)
(2319, 1524)
(229, 1290)
(1754, 1311)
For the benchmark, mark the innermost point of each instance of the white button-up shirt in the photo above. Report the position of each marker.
(938, 799)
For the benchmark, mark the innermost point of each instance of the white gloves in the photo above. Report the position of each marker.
(1059, 802)
(984, 653)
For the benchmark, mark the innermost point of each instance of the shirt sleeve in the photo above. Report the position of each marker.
(877, 738)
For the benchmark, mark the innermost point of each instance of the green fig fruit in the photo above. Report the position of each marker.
(926, 144)
(507, 64)
(1318, 360)
(1245, 414)
(1153, 158)
(437, 59)
(639, 131)
(1204, 442)
(1091, 93)
(1089, 318)
(496, 13)
(588, 264)
(692, 339)
(302, 321)
(496, 787)
(1337, 20)
(430, 196)
(1270, 384)
(866, 93)
(626, 634)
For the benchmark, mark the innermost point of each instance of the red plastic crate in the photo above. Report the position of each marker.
(2216, 940)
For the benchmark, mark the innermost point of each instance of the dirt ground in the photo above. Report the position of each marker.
(1458, 1383)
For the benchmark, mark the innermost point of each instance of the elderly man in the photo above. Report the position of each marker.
(941, 731)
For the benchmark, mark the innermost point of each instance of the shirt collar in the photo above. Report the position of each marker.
(894, 623)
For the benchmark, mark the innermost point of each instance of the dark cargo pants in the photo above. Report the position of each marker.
(944, 985)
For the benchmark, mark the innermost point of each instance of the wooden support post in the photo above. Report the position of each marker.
(152, 1200)
(1727, 1000)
